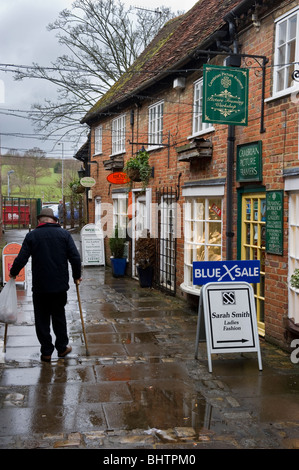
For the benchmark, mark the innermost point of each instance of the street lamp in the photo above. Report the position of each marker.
(62, 157)
(8, 178)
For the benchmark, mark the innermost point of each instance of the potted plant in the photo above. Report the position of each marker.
(294, 281)
(138, 168)
(145, 254)
(117, 248)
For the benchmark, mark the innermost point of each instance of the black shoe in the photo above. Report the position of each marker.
(45, 358)
(66, 352)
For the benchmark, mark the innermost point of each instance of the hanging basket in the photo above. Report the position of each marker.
(78, 189)
(133, 174)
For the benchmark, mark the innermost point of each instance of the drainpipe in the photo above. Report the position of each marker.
(230, 170)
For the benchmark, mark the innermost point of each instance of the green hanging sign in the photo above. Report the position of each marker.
(225, 95)
(274, 222)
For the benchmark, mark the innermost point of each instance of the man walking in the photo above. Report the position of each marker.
(51, 248)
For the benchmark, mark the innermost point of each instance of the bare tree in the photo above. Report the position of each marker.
(103, 38)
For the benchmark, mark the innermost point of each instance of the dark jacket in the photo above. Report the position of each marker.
(50, 247)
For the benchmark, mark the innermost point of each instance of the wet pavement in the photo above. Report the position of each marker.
(140, 387)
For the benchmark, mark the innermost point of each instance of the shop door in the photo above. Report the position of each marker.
(166, 247)
(254, 245)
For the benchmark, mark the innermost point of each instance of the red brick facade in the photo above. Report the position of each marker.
(280, 166)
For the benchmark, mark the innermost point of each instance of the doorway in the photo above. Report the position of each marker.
(253, 245)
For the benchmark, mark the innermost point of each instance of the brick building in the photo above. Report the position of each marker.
(213, 183)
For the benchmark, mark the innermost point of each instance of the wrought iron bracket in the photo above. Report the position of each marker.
(262, 62)
(295, 75)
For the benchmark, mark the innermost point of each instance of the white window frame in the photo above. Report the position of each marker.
(285, 68)
(155, 125)
(199, 127)
(119, 134)
(293, 311)
(191, 194)
(98, 140)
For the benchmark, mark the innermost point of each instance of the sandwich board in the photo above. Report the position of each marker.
(228, 312)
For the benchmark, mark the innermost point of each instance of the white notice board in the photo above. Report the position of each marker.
(92, 246)
(229, 319)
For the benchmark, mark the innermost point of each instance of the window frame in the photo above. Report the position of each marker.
(191, 197)
(155, 125)
(118, 134)
(199, 127)
(98, 140)
(287, 43)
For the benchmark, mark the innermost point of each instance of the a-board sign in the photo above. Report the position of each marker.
(9, 253)
(226, 271)
(92, 246)
(229, 319)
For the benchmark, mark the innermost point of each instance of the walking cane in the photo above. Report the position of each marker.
(82, 321)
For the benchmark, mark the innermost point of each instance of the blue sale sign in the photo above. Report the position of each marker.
(226, 271)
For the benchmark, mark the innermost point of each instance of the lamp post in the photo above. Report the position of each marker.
(62, 158)
(8, 181)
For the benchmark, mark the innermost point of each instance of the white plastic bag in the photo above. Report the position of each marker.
(8, 302)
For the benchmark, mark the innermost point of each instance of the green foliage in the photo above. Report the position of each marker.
(117, 245)
(294, 281)
(139, 163)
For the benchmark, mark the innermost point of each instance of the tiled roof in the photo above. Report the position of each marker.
(172, 45)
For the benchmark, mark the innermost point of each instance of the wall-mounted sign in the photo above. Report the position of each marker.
(87, 182)
(229, 318)
(226, 271)
(249, 162)
(118, 178)
(274, 222)
(225, 95)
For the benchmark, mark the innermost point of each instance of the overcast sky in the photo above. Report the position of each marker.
(24, 39)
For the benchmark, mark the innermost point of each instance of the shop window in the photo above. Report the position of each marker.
(286, 52)
(119, 134)
(293, 254)
(203, 233)
(155, 125)
(120, 214)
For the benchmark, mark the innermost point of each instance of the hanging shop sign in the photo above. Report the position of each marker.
(226, 271)
(87, 182)
(274, 222)
(118, 177)
(225, 95)
(249, 162)
(230, 321)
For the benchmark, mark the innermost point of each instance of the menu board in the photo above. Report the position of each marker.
(274, 222)
(92, 245)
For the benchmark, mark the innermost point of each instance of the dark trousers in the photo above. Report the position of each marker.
(49, 306)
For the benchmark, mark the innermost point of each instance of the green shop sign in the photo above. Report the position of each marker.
(274, 222)
(225, 95)
(249, 162)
